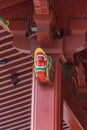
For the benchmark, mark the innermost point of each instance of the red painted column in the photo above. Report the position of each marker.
(58, 100)
(47, 103)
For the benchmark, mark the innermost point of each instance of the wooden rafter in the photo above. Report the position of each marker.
(9, 3)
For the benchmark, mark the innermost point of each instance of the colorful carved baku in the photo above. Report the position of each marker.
(42, 66)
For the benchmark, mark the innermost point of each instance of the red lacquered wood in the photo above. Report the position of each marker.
(43, 109)
(47, 103)
(74, 115)
(58, 97)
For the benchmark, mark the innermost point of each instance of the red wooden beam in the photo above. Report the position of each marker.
(41, 7)
(43, 107)
(6, 4)
(47, 104)
(70, 118)
(76, 117)
(42, 18)
(58, 100)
